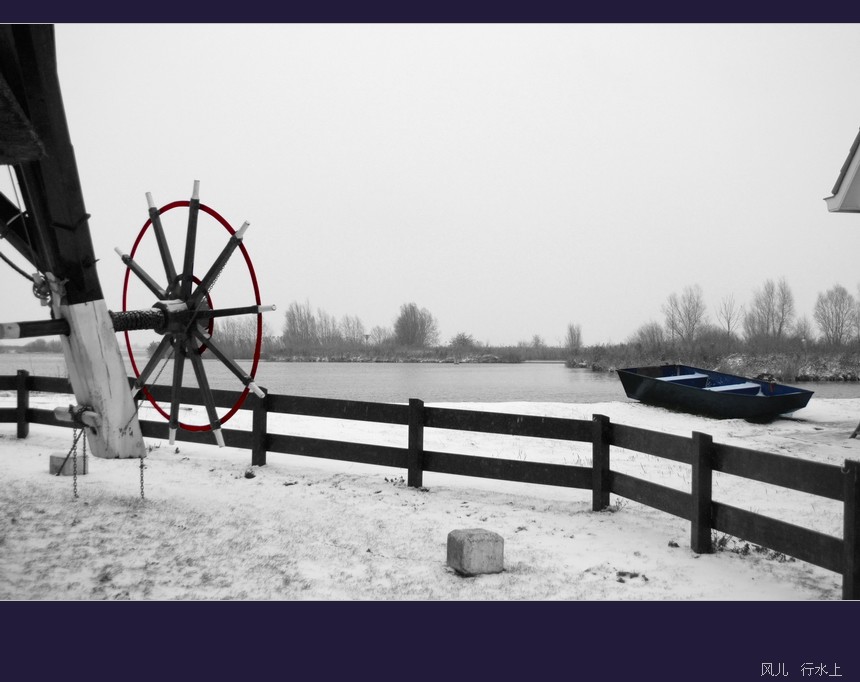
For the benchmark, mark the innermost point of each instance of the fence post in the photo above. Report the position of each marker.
(599, 462)
(851, 529)
(23, 403)
(259, 430)
(702, 494)
(415, 461)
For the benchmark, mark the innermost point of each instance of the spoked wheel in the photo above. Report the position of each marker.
(185, 315)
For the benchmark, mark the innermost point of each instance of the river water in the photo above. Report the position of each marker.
(398, 382)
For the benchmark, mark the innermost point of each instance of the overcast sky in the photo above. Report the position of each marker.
(509, 178)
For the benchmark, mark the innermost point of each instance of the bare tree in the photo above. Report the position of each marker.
(328, 332)
(784, 308)
(462, 344)
(649, 338)
(759, 322)
(415, 327)
(730, 314)
(573, 338)
(834, 311)
(771, 312)
(672, 313)
(380, 336)
(685, 314)
(856, 318)
(803, 330)
(300, 327)
(352, 330)
(236, 336)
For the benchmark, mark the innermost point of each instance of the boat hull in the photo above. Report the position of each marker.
(712, 394)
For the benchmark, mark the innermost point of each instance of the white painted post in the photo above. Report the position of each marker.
(98, 376)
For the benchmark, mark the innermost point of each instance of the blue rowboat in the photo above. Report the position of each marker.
(710, 393)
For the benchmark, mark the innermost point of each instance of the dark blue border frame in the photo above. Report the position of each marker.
(697, 641)
(534, 11)
(440, 640)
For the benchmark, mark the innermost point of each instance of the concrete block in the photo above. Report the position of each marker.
(57, 460)
(474, 551)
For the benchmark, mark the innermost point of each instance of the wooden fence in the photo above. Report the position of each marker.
(841, 555)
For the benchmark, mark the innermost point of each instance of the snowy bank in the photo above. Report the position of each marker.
(212, 527)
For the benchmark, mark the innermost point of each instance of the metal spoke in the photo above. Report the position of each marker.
(153, 361)
(142, 275)
(210, 277)
(229, 312)
(190, 243)
(163, 248)
(178, 368)
(208, 400)
(190, 317)
(245, 378)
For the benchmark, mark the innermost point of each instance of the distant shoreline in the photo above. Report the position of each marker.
(789, 368)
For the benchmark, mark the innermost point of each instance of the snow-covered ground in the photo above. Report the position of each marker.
(211, 527)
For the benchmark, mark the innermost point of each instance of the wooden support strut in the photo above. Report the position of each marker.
(99, 379)
(26, 330)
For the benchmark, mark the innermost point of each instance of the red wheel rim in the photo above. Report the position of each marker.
(259, 338)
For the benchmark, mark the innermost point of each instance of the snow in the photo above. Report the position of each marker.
(211, 527)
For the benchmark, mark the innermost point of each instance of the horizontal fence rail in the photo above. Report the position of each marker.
(841, 555)
(815, 478)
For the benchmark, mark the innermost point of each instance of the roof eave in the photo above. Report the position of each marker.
(847, 189)
(844, 170)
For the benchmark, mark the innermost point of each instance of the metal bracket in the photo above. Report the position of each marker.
(81, 416)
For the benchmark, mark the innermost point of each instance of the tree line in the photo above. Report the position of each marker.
(768, 323)
(413, 333)
(307, 331)
(313, 333)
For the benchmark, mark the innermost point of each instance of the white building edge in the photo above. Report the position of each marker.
(846, 191)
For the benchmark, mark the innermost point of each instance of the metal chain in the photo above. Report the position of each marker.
(75, 466)
(73, 453)
(139, 403)
(163, 367)
(214, 280)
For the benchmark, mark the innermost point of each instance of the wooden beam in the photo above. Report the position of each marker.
(18, 140)
(99, 380)
(27, 330)
(50, 186)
